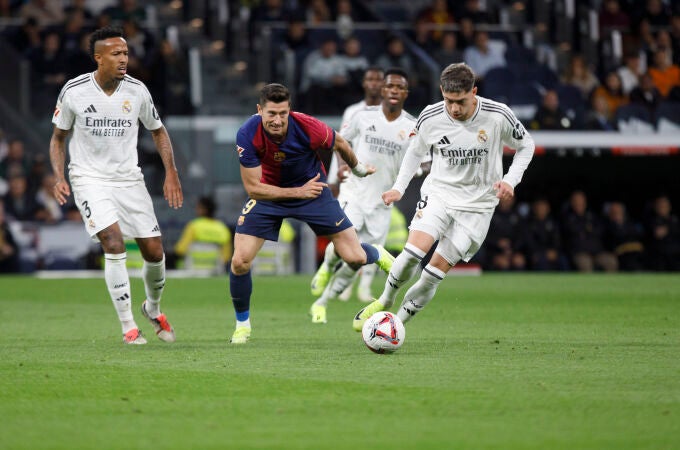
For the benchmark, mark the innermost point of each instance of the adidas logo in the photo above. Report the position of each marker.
(155, 229)
(444, 141)
(90, 109)
(371, 128)
(123, 297)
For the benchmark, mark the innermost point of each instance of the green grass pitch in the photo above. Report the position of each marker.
(494, 362)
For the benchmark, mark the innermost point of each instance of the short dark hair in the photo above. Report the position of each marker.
(208, 204)
(275, 93)
(102, 34)
(457, 77)
(374, 69)
(396, 71)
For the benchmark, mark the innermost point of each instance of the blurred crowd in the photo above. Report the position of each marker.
(565, 88)
(54, 39)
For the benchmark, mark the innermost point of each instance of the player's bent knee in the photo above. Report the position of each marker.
(240, 266)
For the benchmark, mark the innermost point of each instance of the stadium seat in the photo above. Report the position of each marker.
(633, 119)
(497, 84)
(524, 93)
(667, 117)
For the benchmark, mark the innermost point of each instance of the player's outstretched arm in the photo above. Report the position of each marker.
(345, 150)
(61, 189)
(172, 189)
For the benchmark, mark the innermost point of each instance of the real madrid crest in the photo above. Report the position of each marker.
(402, 135)
(127, 107)
(482, 136)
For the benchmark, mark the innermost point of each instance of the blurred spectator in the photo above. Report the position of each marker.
(270, 11)
(169, 81)
(472, 9)
(422, 37)
(344, 21)
(599, 117)
(630, 71)
(505, 239)
(49, 67)
(45, 12)
(126, 10)
(484, 55)
(657, 13)
(205, 242)
(466, 34)
(448, 52)
(436, 15)
(5, 8)
(317, 12)
(579, 74)
(646, 93)
(675, 37)
(80, 6)
(16, 161)
(665, 75)
(324, 79)
(543, 238)
(9, 250)
(4, 145)
(549, 115)
(73, 32)
(140, 45)
(663, 236)
(665, 43)
(582, 234)
(611, 16)
(26, 37)
(395, 56)
(355, 66)
(612, 92)
(79, 60)
(45, 199)
(623, 238)
(19, 203)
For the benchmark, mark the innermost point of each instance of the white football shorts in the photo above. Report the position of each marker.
(459, 232)
(372, 226)
(130, 206)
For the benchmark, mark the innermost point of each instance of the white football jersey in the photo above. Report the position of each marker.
(467, 156)
(103, 148)
(380, 143)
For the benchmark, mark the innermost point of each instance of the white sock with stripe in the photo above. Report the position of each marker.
(403, 268)
(420, 294)
(118, 284)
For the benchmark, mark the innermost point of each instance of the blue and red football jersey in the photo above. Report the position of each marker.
(294, 161)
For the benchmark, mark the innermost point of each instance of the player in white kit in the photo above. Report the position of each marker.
(381, 138)
(467, 134)
(372, 85)
(103, 109)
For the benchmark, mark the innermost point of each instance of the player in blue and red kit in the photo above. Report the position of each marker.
(282, 173)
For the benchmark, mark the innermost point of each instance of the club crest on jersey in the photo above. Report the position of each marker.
(279, 156)
(241, 219)
(127, 107)
(402, 135)
(240, 150)
(90, 223)
(482, 136)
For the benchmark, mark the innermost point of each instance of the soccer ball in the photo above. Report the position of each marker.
(383, 332)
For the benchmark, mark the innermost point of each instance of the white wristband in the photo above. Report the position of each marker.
(360, 170)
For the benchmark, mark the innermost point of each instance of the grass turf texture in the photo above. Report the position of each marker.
(498, 361)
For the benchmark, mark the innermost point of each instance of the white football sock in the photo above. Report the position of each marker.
(330, 258)
(366, 277)
(153, 274)
(118, 284)
(403, 269)
(244, 323)
(341, 279)
(420, 293)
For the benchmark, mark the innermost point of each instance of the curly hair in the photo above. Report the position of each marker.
(102, 34)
